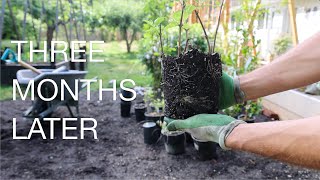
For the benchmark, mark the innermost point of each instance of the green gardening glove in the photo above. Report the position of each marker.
(230, 92)
(226, 92)
(206, 127)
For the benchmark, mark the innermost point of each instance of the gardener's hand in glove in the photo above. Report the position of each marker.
(206, 127)
(230, 92)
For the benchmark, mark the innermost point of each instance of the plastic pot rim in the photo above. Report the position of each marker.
(172, 133)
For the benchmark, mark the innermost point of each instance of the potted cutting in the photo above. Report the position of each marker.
(174, 141)
(155, 104)
(140, 107)
(250, 110)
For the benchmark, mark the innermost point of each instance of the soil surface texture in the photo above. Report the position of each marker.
(191, 84)
(119, 153)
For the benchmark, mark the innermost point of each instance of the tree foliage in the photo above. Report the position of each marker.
(125, 17)
(43, 16)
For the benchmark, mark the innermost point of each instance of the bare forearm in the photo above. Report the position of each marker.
(299, 67)
(296, 141)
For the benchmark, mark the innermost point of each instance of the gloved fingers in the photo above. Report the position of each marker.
(168, 120)
(177, 125)
(200, 120)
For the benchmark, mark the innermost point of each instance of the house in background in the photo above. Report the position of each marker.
(276, 23)
(292, 104)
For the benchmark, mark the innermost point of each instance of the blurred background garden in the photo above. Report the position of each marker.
(137, 35)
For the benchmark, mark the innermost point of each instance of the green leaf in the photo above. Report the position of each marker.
(156, 54)
(170, 25)
(158, 21)
(187, 26)
(188, 10)
(150, 23)
(177, 15)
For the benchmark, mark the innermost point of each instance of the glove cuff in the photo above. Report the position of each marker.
(226, 131)
(239, 95)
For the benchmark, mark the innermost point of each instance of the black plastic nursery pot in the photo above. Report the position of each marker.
(125, 108)
(191, 83)
(205, 150)
(174, 142)
(151, 132)
(243, 117)
(189, 138)
(126, 94)
(139, 110)
(154, 116)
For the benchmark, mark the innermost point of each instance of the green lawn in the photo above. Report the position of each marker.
(117, 65)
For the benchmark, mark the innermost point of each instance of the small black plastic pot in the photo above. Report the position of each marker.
(125, 108)
(126, 94)
(139, 110)
(189, 138)
(242, 117)
(174, 142)
(151, 132)
(206, 150)
(153, 116)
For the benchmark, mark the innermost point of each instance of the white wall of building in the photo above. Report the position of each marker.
(277, 23)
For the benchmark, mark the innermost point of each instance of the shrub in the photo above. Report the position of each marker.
(281, 45)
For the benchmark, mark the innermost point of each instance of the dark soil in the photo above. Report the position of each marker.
(191, 84)
(119, 153)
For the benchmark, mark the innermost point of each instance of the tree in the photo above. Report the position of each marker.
(127, 18)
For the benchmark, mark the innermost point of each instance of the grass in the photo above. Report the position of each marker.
(5, 92)
(118, 65)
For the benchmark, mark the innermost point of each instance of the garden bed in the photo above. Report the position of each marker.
(119, 152)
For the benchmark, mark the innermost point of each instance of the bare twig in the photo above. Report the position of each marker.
(204, 30)
(218, 23)
(186, 47)
(161, 44)
(180, 27)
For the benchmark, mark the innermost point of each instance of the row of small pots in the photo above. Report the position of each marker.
(175, 142)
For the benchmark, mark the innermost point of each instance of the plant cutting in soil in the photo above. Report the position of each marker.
(191, 86)
(191, 80)
(154, 106)
(154, 116)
